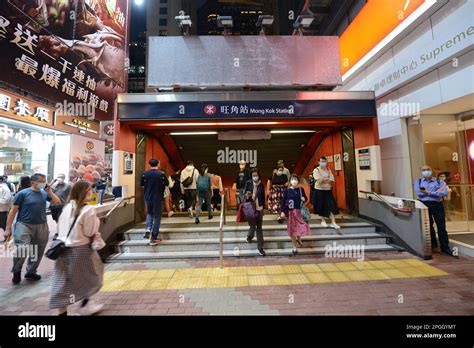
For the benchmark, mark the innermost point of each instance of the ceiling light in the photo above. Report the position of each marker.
(193, 133)
(188, 124)
(291, 131)
(303, 21)
(225, 22)
(264, 21)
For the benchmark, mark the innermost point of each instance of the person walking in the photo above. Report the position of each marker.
(217, 190)
(5, 204)
(277, 182)
(241, 179)
(78, 272)
(325, 204)
(431, 191)
(62, 190)
(31, 227)
(204, 192)
(175, 190)
(255, 191)
(154, 181)
(188, 179)
(292, 201)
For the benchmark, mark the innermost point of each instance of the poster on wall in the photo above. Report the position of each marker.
(67, 51)
(87, 159)
(364, 159)
(128, 163)
(337, 162)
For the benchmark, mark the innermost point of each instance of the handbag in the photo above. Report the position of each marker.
(249, 210)
(304, 210)
(189, 180)
(57, 246)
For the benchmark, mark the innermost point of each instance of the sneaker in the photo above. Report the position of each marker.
(154, 242)
(16, 278)
(280, 220)
(261, 252)
(335, 226)
(91, 308)
(147, 235)
(197, 221)
(249, 240)
(190, 213)
(449, 252)
(294, 252)
(170, 213)
(34, 277)
(324, 223)
(210, 217)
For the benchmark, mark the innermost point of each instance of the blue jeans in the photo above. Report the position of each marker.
(154, 209)
(201, 197)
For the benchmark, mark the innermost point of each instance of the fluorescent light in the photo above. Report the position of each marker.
(225, 21)
(264, 21)
(413, 17)
(291, 131)
(303, 21)
(214, 124)
(193, 133)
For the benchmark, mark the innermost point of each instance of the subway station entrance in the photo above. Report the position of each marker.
(260, 128)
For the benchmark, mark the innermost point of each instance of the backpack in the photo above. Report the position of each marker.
(189, 180)
(204, 183)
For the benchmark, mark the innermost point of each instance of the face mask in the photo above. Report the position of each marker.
(60, 180)
(323, 164)
(442, 178)
(255, 178)
(294, 182)
(426, 173)
(40, 186)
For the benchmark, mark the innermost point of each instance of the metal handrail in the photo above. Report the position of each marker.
(222, 222)
(104, 217)
(394, 210)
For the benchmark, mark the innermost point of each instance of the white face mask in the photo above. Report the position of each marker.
(294, 182)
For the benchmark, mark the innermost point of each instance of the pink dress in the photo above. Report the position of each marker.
(297, 227)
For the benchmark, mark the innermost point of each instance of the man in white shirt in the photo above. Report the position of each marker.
(5, 203)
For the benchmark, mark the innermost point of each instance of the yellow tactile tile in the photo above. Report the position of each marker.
(256, 270)
(294, 274)
(279, 279)
(238, 281)
(310, 268)
(362, 265)
(346, 266)
(292, 268)
(259, 280)
(337, 277)
(356, 275)
(298, 279)
(275, 269)
(375, 274)
(328, 267)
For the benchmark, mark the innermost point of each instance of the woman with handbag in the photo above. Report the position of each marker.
(78, 271)
(325, 204)
(255, 192)
(293, 206)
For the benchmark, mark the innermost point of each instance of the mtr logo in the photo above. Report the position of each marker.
(210, 109)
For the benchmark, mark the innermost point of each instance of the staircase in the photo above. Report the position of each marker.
(183, 239)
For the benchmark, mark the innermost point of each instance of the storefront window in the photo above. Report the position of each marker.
(26, 149)
(443, 142)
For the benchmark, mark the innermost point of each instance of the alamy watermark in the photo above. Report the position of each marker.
(20, 251)
(75, 109)
(349, 251)
(399, 109)
(227, 156)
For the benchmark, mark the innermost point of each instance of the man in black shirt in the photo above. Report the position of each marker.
(239, 184)
(154, 182)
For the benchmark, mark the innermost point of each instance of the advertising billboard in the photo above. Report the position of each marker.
(71, 51)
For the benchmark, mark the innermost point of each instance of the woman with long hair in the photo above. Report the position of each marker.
(78, 272)
(325, 204)
(255, 191)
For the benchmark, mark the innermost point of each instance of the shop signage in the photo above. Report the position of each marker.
(252, 109)
(364, 159)
(66, 50)
(17, 137)
(76, 125)
(461, 37)
(26, 110)
(87, 159)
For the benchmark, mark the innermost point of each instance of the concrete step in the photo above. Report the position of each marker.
(199, 231)
(180, 255)
(273, 242)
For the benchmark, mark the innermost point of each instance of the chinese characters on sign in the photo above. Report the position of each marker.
(23, 109)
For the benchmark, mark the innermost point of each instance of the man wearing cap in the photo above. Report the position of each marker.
(239, 184)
